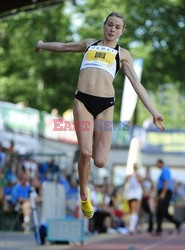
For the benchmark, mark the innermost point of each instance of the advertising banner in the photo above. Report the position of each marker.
(157, 142)
(19, 119)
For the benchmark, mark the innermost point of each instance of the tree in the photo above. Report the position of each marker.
(161, 25)
(170, 102)
(155, 32)
(40, 80)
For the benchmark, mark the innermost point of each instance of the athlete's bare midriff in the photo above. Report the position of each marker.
(96, 82)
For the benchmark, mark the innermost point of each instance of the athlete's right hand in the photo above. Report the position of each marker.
(38, 46)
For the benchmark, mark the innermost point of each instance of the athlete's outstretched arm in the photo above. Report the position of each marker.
(127, 67)
(64, 47)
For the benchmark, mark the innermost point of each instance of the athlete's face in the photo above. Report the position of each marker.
(113, 28)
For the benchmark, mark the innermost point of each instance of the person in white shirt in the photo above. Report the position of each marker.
(133, 190)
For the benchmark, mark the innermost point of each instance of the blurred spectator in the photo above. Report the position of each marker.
(10, 174)
(36, 184)
(43, 169)
(71, 196)
(76, 156)
(17, 166)
(2, 184)
(20, 198)
(179, 192)
(164, 196)
(106, 185)
(2, 156)
(53, 167)
(11, 148)
(31, 167)
(148, 198)
(116, 202)
(133, 186)
(73, 186)
(7, 201)
(63, 180)
(102, 220)
(54, 112)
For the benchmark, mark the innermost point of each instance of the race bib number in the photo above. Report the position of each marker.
(98, 53)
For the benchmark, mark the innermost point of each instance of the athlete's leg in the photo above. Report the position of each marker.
(85, 140)
(134, 207)
(102, 136)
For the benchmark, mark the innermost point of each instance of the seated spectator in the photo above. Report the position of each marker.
(7, 199)
(73, 187)
(20, 197)
(36, 184)
(71, 196)
(2, 184)
(31, 167)
(43, 169)
(53, 167)
(2, 156)
(179, 192)
(10, 174)
(116, 202)
(47, 177)
(63, 180)
(103, 219)
(11, 148)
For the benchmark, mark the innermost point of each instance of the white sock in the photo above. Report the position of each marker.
(26, 219)
(133, 222)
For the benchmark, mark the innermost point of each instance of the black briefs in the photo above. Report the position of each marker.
(94, 104)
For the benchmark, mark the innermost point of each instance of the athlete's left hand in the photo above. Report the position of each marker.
(158, 121)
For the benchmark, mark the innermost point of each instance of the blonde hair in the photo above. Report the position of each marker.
(116, 14)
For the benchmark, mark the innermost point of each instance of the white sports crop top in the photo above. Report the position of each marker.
(102, 57)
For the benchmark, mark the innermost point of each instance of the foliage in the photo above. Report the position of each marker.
(40, 80)
(170, 102)
(160, 24)
(154, 32)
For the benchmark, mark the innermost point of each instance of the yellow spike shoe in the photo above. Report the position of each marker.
(86, 206)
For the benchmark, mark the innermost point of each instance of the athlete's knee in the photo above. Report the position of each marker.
(85, 154)
(100, 163)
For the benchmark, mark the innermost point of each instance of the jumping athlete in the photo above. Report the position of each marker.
(94, 97)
